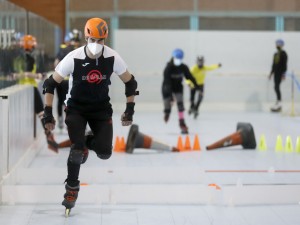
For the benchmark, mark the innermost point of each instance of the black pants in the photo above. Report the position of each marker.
(62, 90)
(277, 81)
(100, 123)
(168, 97)
(200, 93)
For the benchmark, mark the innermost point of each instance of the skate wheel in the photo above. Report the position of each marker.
(67, 212)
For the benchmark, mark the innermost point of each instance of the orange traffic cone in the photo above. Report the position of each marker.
(122, 144)
(243, 136)
(180, 144)
(217, 187)
(117, 146)
(196, 146)
(187, 145)
(136, 139)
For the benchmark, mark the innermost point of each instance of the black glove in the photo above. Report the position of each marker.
(126, 117)
(48, 119)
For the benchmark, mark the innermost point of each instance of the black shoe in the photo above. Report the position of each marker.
(196, 113)
(166, 117)
(183, 127)
(70, 196)
(191, 110)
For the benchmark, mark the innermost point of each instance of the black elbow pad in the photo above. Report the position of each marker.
(130, 87)
(49, 85)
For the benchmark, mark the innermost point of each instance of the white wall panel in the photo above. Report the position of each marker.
(147, 51)
(246, 59)
(19, 101)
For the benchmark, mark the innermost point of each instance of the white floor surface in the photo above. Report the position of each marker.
(227, 186)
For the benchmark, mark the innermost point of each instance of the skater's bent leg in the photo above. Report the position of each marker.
(179, 100)
(103, 135)
(192, 97)
(73, 174)
(167, 107)
(180, 106)
(277, 81)
(200, 98)
(167, 104)
(76, 129)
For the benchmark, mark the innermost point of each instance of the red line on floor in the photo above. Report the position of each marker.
(252, 171)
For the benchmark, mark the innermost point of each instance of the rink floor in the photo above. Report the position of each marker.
(228, 186)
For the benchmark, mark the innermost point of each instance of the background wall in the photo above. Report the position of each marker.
(242, 53)
(240, 84)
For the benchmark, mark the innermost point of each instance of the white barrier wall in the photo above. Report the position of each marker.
(3, 162)
(241, 83)
(17, 114)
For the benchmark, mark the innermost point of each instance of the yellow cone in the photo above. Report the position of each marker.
(279, 146)
(297, 149)
(288, 145)
(262, 143)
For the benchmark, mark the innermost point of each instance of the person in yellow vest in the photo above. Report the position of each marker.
(25, 68)
(199, 73)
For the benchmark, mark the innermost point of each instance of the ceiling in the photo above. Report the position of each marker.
(53, 11)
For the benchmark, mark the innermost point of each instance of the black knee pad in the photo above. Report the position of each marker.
(76, 156)
(104, 156)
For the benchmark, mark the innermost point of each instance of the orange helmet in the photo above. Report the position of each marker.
(28, 42)
(96, 28)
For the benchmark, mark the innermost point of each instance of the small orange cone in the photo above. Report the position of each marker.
(196, 146)
(187, 145)
(180, 144)
(117, 147)
(122, 144)
(217, 187)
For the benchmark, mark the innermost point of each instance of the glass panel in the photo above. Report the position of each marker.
(154, 23)
(292, 24)
(13, 25)
(209, 23)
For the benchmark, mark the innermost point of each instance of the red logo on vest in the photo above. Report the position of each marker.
(94, 76)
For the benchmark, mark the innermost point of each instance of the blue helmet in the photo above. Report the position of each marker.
(178, 53)
(279, 42)
(74, 35)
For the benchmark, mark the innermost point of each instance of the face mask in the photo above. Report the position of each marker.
(177, 62)
(95, 48)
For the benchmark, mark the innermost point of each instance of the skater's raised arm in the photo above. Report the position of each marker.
(130, 92)
(49, 86)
